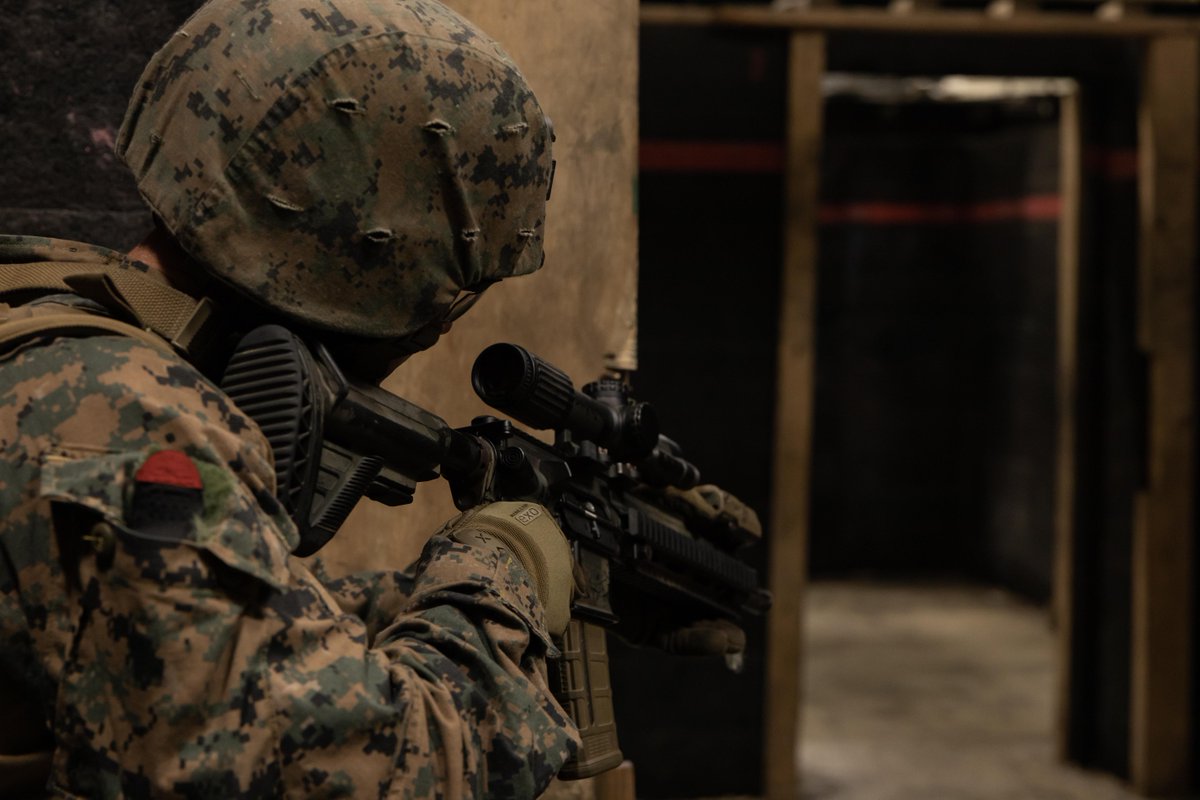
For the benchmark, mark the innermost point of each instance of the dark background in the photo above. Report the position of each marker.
(936, 350)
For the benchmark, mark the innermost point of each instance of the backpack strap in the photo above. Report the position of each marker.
(18, 327)
(141, 298)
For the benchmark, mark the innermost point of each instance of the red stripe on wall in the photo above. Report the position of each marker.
(1035, 208)
(681, 155)
(665, 155)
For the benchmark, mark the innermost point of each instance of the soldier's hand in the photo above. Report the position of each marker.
(529, 533)
(713, 637)
(713, 502)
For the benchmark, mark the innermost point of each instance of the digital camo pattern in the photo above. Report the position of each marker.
(352, 163)
(218, 666)
(376, 598)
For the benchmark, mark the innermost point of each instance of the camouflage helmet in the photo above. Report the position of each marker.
(353, 164)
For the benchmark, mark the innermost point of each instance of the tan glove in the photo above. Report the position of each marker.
(530, 534)
(714, 637)
(713, 502)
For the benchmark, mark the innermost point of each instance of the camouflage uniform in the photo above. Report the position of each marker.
(200, 659)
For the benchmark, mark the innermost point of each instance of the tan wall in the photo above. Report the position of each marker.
(581, 59)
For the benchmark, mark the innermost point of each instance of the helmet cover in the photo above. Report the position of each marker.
(353, 164)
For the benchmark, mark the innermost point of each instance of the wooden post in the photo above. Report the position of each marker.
(1070, 187)
(1160, 710)
(793, 415)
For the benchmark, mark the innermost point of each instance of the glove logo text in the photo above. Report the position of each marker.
(527, 514)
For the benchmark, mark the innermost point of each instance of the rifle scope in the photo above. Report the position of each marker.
(513, 380)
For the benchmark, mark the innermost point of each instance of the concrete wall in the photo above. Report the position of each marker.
(66, 73)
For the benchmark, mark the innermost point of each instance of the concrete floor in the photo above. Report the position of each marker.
(932, 694)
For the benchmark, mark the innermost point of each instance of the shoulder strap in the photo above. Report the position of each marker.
(175, 316)
(16, 332)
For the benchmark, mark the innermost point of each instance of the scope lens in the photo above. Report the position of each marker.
(498, 373)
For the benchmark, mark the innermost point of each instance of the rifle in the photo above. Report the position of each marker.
(647, 564)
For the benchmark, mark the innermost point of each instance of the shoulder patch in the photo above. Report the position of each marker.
(170, 468)
(168, 494)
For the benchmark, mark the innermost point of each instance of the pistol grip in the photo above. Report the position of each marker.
(581, 684)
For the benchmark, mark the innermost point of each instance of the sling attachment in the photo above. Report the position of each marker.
(140, 299)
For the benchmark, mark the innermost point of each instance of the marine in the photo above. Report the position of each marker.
(359, 171)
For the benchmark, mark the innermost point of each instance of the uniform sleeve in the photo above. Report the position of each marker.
(376, 597)
(214, 664)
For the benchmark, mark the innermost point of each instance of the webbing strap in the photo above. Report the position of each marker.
(174, 315)
(15, 332)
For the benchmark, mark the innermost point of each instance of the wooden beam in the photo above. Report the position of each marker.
(932, 21)
(1162, 669)
(675, 14)
(1070, 189)
(788, 540)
